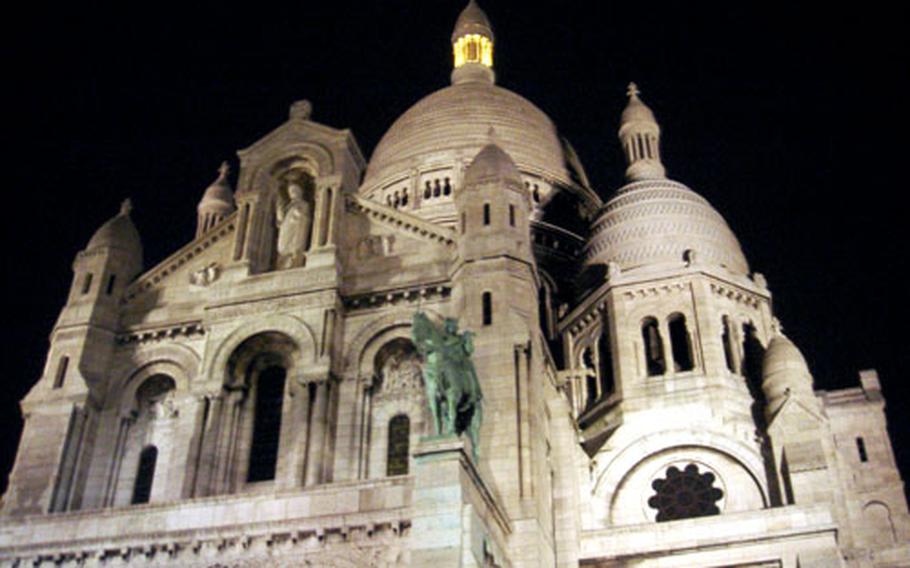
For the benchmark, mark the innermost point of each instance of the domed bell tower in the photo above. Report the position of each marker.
(665, 350)
(60, 411)
(495, 293)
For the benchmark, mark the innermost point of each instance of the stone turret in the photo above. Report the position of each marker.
(112, 258)
(639, 134)
(785, 374)
(217, 202)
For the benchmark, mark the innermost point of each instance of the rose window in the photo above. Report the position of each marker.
(685, 494)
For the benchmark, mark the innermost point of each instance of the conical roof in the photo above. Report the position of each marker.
(472, 20)
(492, 163)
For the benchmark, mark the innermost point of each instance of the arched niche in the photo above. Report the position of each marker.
(624, 483)
(256, 381)
(367, 341)
(179, 366)
(396, 392)
(219, 369)
(151, 421)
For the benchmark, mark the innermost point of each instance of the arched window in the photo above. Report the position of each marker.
(728, 346)
(487, 301)
(753, 353)
(112, 279)
(654, 348)
(680, 344)
(398, 450)
(61, 372)
(266, 424)
(587, 358)
(605, 362)
(145, 475)
(87, 283)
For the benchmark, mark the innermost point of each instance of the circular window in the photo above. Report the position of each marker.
(684, 494)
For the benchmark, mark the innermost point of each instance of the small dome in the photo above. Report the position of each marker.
(491, 163)
(656, 222)
(219, 195)
(784, 370)
(472, 20)
(119, 233)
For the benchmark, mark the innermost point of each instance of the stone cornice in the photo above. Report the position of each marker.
(632, 285)
(410, 295)
(416, 226)
(161, 332)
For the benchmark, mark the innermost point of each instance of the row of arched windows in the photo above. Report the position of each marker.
(656, 363)
(268, 373)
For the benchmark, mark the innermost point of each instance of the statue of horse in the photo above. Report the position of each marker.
(452, 387)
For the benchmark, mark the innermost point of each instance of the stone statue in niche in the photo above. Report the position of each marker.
(294, 220)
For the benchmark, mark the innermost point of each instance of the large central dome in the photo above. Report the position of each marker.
(419, 164)
(454, 123)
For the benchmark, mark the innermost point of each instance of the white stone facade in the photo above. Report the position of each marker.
(255, 399)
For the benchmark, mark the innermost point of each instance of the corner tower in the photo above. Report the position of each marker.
(664, 352)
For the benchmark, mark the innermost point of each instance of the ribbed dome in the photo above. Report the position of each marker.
(784, 369)
(655, 222)
(491, 163)
(120, 233)
(454, 123)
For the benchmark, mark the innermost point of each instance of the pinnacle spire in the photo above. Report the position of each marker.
(126, 207)
(472, 46)
(640, 137)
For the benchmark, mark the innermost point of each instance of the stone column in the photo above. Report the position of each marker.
(319, 404)
(294, 432)
(205, 467)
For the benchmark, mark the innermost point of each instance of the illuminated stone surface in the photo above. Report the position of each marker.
(142, 447)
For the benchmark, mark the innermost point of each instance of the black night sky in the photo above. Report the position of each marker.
(788, 122)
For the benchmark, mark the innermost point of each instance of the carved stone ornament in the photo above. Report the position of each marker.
(375, 246)
(205, 275)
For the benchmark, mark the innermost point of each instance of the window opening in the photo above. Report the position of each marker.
(399, 445)
(266, 424)
(110, 284)
(861, 449)
(685, 494)
(486, 213)
(511, 215)
(487, 308)
(728, 350)
(654, 349)
(61, 372)
(87, 283)
(145, 475)
(680, 343)
(605, 362)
